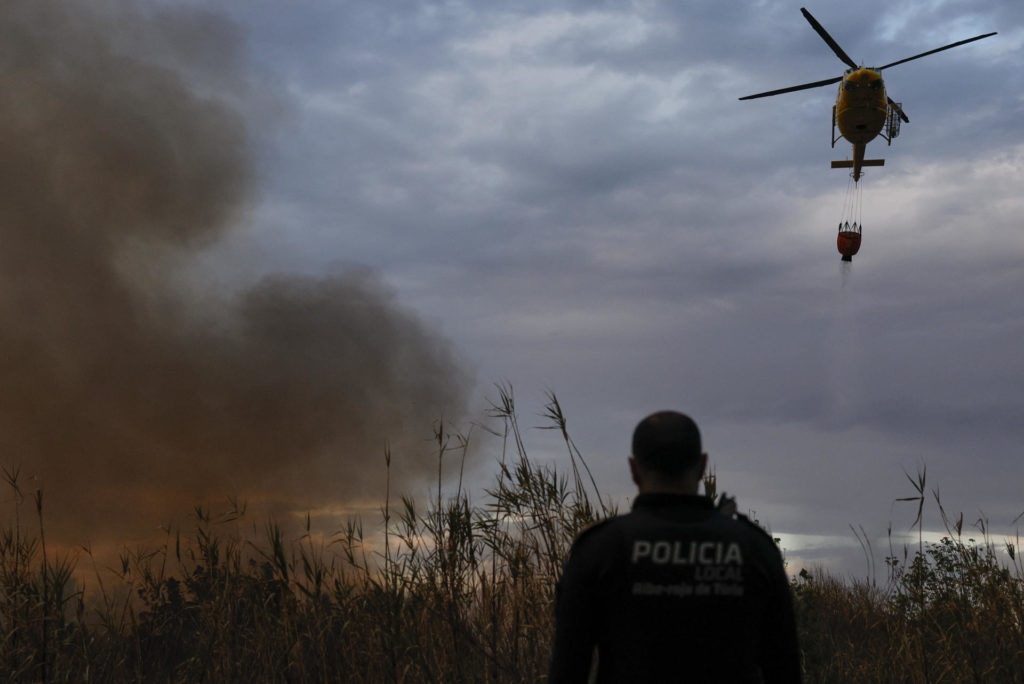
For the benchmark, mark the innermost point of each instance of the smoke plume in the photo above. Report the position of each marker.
(127, 397)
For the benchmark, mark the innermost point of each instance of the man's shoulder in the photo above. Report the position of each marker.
(627, 523)
(752, 526)
(594, 529)
(753, 532)
(601, 535)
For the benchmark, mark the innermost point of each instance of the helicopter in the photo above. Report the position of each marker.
(862, 110)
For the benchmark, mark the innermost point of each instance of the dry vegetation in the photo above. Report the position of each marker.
(461, 591)
(948, 612)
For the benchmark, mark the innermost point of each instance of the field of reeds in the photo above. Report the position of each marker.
(458, 590)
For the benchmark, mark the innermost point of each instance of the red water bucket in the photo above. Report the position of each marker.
(848, 242)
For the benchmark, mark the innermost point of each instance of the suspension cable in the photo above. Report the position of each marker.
(853, 204)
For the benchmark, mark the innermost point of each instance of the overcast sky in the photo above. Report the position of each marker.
(571, 197)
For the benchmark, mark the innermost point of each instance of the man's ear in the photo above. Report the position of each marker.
(634, 471)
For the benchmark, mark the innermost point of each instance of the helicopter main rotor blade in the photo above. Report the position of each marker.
(805, 86)
(932, 52)
(828, 39)
(899, 110)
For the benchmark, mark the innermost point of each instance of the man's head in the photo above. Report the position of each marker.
(667, 453)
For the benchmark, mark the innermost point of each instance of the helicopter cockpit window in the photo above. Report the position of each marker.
(875, 85)
(851, 85)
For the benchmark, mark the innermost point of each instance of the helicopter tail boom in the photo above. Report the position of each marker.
(857, 162)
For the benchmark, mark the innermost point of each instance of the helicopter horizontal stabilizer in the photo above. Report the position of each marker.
(848, 163)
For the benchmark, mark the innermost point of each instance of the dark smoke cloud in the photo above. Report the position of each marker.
(126, 398)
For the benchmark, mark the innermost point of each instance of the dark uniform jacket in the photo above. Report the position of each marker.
(675, 592)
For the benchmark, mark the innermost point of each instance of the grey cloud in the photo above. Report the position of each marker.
(633, 237)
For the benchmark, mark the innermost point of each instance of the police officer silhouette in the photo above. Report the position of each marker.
(676, 590)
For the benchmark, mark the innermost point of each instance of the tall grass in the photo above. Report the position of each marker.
(455, 590)
(951, 611)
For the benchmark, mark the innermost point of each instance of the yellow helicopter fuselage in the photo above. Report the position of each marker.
(860, 114)
(861, 107)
